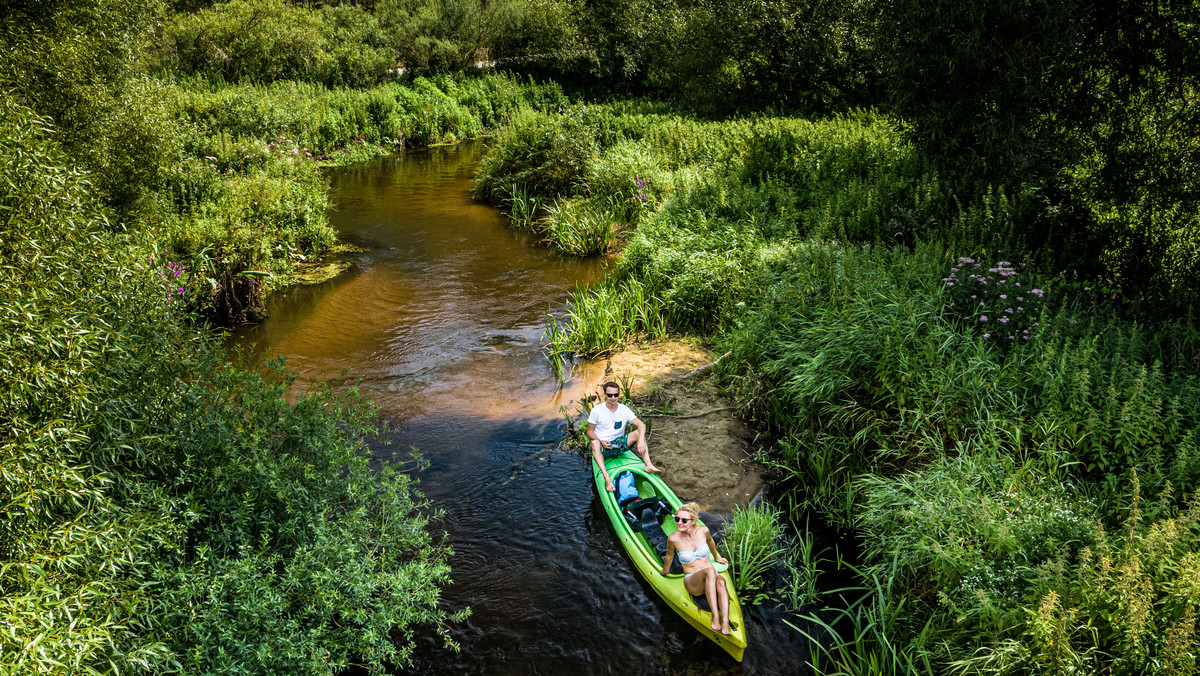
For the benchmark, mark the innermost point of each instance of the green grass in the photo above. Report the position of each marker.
(524, 207)
(163, 507)
(574, 228)
(752, 541)
(969, 457)
(862, 634)
(613, 316)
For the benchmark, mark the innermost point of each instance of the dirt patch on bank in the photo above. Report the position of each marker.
(697, 441)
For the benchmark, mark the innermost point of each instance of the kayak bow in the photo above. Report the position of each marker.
(649, 563)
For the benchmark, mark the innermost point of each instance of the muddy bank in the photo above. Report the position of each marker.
(702, 448)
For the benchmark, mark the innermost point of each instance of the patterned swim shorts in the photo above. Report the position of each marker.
(618, 446)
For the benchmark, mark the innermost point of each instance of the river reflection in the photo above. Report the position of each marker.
(441, 319)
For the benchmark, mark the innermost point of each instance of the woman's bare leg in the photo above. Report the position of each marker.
(704, 582)
(723, 603)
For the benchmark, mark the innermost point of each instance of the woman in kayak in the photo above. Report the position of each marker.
(695, 547)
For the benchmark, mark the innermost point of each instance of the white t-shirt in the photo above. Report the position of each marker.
(609, 424)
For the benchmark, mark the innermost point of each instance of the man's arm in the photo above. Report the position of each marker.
(637, 422)
(591, 432)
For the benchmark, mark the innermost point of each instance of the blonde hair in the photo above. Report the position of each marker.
(690, 507)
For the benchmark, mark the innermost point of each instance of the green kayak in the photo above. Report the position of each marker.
(649, 562)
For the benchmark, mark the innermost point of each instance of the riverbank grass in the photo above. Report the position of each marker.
(244, 194)
(964, 407)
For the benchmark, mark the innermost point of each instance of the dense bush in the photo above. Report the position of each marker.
(781, 54)
(320, 121)
(267, 40)
(74, 62)
(346, 45)
(162, 510)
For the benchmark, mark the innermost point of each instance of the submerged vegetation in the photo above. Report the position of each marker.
(951, 248)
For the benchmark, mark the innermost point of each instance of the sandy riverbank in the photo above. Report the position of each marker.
(702, 448)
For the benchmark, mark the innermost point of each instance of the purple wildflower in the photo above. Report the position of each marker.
(983, 318)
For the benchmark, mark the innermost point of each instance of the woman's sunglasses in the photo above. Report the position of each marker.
(681, 519)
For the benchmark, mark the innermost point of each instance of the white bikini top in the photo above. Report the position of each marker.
(700, 552)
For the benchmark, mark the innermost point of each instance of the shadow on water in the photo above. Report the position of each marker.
(441, 321)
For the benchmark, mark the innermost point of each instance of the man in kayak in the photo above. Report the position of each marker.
(608, 428)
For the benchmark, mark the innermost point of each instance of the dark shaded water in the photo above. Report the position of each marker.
(442, 319)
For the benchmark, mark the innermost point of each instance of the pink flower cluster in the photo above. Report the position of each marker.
(993, 296)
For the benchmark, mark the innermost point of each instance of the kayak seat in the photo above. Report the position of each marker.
(652, 512)
(632, 511)
(651, 526)
(701, 602)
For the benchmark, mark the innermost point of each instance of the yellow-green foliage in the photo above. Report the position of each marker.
(267, 40)
(163, 510)
(1126, 604)
(752, 543)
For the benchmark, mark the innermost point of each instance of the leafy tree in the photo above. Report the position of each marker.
(783, 54)
(434, 36)
(72, 60)
(522, 28)
(268, 40)
(1091, 103)
(625, 36)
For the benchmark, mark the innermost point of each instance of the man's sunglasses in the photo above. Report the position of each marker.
(612, 394)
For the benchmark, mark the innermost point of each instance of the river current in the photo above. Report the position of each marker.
(440, 320)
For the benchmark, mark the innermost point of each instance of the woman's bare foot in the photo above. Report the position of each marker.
(716, 627)
(652, 468)
(725, 630)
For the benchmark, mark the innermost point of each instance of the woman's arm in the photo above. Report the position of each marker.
(668, 557)
(712, 546)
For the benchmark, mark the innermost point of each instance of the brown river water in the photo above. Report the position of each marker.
(441, 320)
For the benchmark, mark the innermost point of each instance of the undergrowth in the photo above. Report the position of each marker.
(962, 403)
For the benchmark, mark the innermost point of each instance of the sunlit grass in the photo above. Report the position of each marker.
(751, 539)
(580, 229)
(524, 206)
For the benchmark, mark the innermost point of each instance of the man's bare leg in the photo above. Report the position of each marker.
(636, 438)
(598, 456)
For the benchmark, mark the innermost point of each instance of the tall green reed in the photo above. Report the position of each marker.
(751, 539)
(603, 317)
(580, 229)
(524, 206)
(862, 633)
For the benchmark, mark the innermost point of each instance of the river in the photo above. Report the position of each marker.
(441, 319)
